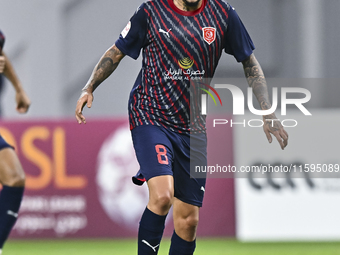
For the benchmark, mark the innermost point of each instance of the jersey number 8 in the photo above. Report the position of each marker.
(161, 154)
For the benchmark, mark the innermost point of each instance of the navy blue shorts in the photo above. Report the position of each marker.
(161, 151)
(4, 144)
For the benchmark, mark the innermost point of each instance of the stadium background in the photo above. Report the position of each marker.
(79, 176)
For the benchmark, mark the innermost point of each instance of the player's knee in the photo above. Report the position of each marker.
(188, 223)
(191, 222)
(163, 201)
(17, 179)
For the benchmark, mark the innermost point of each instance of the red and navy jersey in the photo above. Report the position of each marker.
(2, 41)
(180, 50)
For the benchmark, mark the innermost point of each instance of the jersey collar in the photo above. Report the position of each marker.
(187, 13)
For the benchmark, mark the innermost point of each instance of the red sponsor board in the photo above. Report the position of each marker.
(78, 182)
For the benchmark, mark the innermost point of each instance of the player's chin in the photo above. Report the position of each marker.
(192, 3)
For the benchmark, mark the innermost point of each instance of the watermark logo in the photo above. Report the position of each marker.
(205, 99)
(238, 104)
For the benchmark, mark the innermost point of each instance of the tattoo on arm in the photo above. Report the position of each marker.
(105, 67)
(257, 81)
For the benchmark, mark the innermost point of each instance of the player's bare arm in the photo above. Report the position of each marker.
(105, 67)
(2, 63)
(22, 100)
(257, 82)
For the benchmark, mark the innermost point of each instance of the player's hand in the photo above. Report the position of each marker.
(2, 63)
(86, 98)
(23, 102)
(274, 127)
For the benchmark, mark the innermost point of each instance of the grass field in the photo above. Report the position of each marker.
(204, 247)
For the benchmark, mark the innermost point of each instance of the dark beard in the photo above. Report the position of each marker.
(188, 4)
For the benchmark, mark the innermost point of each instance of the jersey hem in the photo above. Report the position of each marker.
(120, 47)
(172, 129)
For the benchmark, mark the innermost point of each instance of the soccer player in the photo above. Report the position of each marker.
(12, 176)
(181, 43)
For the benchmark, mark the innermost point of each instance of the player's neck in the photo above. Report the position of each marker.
(187, 5)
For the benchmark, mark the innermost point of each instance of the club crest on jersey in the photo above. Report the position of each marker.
(209, 34)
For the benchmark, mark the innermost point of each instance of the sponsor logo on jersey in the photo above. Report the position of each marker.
(209, 34)
(185, 72)
(186, 63)
(126, 29)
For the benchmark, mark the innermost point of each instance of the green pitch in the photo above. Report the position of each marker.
(128, 247)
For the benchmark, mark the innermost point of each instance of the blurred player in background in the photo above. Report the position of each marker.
(181, 43)
(12, 176)
(1, 89)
